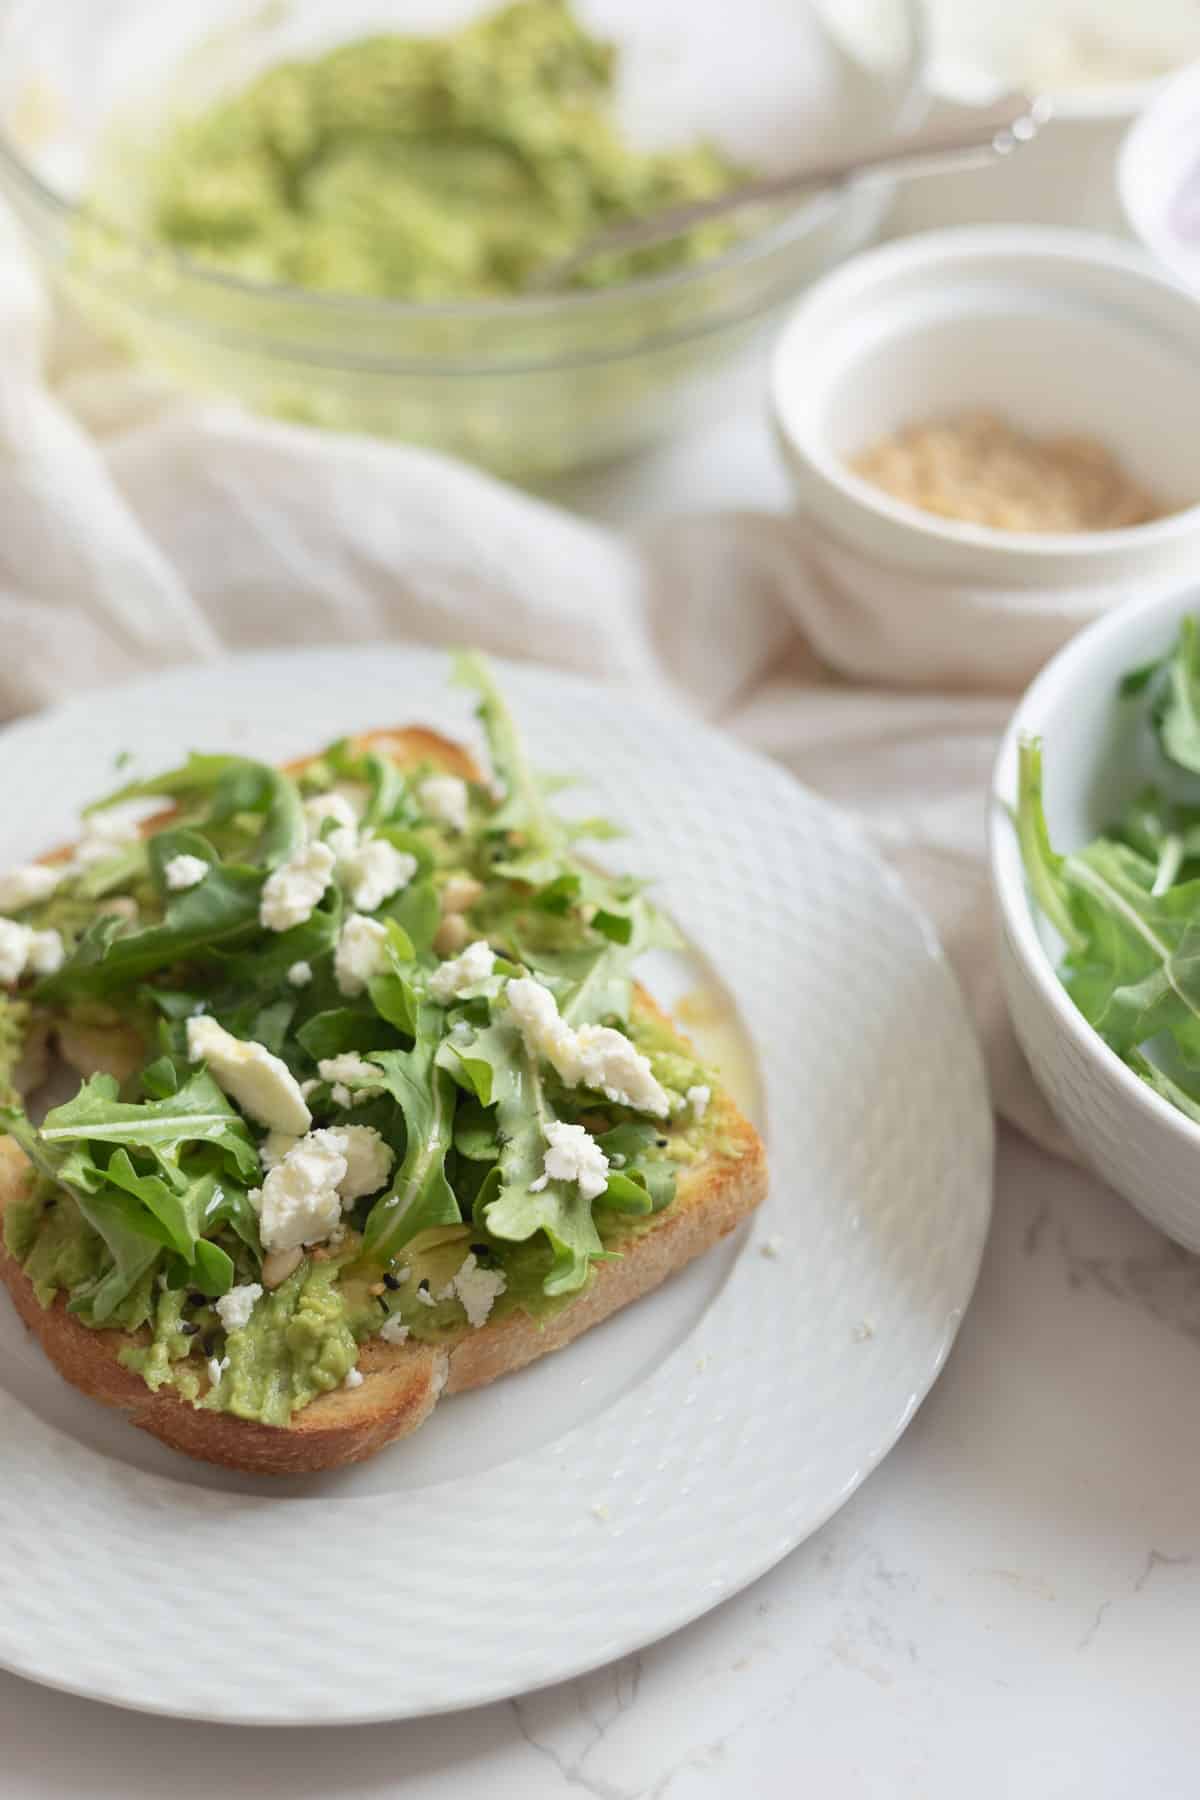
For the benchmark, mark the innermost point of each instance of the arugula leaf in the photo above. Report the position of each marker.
(197, 1113)
(524, 807)
(234, 785)
(344, 1028)
(1043, 866)
(505, 1075)
(1177, 714)
(1163, 1085)
(223, 909)
(420, 1194)
(134, 1242)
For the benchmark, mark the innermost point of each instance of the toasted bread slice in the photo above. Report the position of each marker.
(402, 1383)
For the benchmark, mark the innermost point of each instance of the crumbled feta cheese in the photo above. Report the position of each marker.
(14, 950)
(374, 871)
(595, 1056)
(393, 1332)
(25, 951)
(235, 1307)
(275, 1147)
(181, 872)
(340, 1094)
(350, 1067)
(217, 1369)
(300, 974)
(301, 1198)
(573, 1155)
(46, 953)
(260, 1083)
(425, 1297)
(323, 807)
(476, 1289)
(444, 798)
(361, 954)
(698, 1099)
(462, 972)
(368, 1159)
(309, 1087)
(25, 887)
(292, 890)
(354, 1378)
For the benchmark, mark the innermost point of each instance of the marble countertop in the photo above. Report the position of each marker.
(1007, 1608)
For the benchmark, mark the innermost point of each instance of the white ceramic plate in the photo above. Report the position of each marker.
(609, 1494)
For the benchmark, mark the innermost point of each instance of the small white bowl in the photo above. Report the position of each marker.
(1059, 331)
(1136, 1141)
(1159, 156)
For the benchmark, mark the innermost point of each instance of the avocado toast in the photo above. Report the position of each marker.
(386, 1114)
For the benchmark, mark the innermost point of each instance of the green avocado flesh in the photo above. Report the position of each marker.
(428, 168)
(149, 1200)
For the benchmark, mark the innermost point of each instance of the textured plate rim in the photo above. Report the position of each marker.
(978, 1127)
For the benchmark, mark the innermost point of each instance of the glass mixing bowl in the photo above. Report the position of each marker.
(528, 386)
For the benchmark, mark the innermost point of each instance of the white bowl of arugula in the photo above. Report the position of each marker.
(1095, 853)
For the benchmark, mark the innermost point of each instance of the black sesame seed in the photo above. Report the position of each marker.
(50, 1204)
(661, 1142)
(422, 1287)
(391, 1281)
(196, 1298)
(189, 1328)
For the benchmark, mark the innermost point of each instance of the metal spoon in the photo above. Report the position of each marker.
(989, 132)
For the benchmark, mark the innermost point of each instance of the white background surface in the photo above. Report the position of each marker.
(1006, 1609)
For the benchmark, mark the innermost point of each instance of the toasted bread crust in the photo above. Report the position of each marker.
(401, 1383)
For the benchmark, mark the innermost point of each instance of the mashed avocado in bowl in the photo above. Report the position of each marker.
(427, 168)
(293, 206)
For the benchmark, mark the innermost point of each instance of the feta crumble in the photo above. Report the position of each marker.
(234, 1308)
(444, 798)
(217, 1369)
(301, 1198)
(476, 1289)
(393, 1332)
(349, 1066)
(595, 1056)
(325, 807)
(361, 954)
(24, 951)
(25, 887)
(374, 871)
(368, 1159)
(698, 1099)
(573, 1155)
(260, 1083)
(300, 974)
(181, 872)
(354, 1378)
(462, 973)
(292, 890)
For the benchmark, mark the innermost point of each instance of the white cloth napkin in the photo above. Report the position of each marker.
(139, 528)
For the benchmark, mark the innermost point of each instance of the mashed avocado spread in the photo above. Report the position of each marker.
(428, 168)
(396, 1081)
